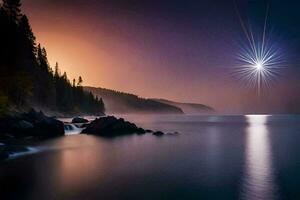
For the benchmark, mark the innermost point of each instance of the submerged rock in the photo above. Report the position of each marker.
(173, 134)
(158, 133)
(79, 120)
(111, 126)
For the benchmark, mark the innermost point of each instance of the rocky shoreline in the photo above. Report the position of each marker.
(19, 130)
(31, 124)
(111, 126)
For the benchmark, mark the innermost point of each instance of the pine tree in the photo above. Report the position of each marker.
(80, 81)
(13, 9)
(65, 77)
(26, 31)
(56, 71)
(26, 78)
(101, 105)
(43, 60)
(39, 54)
(46, 62)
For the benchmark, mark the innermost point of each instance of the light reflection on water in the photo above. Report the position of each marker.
(258, 179)
(213, 157)
(71, 170)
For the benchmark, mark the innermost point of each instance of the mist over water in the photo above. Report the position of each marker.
(213, 157)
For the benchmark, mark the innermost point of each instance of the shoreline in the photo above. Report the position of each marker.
(20, 132)
(11, 148)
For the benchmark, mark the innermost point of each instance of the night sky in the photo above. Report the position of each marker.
(180, 50)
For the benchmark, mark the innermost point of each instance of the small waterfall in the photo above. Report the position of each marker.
(71, 129)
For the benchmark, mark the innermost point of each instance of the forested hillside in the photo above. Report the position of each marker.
(26, 78)
(122, 103)
(189, 108)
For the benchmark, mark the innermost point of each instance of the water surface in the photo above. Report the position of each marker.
(213, 157)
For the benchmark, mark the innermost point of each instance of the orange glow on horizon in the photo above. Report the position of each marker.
(121, 52)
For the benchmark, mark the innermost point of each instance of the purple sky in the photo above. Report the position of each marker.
(180, 50)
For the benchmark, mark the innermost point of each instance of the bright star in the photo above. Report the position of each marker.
(260, 58)
(259, 66)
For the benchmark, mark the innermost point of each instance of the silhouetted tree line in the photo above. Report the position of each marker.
(121, 102)
(26, 78)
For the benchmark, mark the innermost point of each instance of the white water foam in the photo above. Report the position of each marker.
(71, 129)
(30, 150)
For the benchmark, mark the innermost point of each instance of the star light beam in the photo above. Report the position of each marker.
(259, 60)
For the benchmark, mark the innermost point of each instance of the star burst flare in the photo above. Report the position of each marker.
(260, 60)
(258, 66)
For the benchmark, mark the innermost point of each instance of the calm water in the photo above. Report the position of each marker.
(214, 157)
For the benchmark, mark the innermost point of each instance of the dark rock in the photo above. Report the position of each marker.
(158, 133)
(149, 131)
(79, 120)
(49, 128)
(22, 127)
(7, 150)
(4, 137)
(109, 126)
(11, 149)
(3, 155)
(33, 116)
(77, 125)
(173, 134)
(141, 131)
(83, 126)
(32, 124)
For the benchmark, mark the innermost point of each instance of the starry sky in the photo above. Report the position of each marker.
(179, 50)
